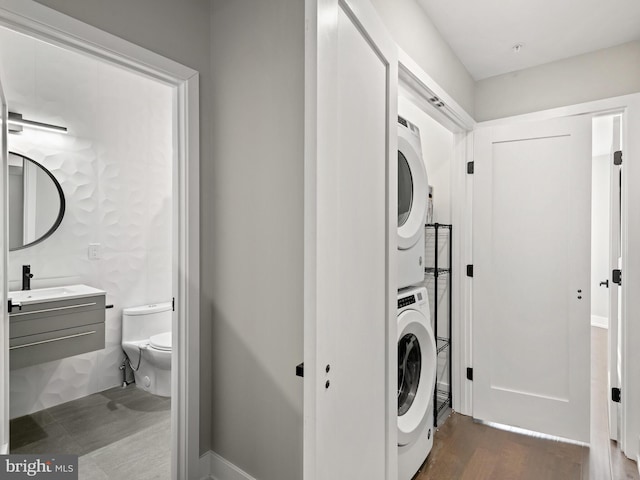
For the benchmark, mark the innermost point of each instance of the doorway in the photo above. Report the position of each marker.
(44, 24)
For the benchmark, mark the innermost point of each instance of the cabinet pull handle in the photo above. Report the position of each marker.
(55, 309)
(52, 340)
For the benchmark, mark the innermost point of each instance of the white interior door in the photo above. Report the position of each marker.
(4, 317)
(350, 242)
(614, 290)
(532, 260)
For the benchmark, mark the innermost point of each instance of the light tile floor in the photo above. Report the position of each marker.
(119, 433)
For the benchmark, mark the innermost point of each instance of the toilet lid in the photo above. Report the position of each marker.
(162, 341)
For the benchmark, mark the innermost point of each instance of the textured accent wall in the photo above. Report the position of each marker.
(114, 167)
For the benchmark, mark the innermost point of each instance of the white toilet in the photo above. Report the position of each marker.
(146, 339)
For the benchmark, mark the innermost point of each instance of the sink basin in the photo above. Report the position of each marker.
(40, 295)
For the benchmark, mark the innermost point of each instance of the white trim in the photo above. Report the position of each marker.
(53, 27)
(600, 322)
(215, 467)
(205, 467)
(419, 83)
(462, 209)
(419, 87)
(597, 107)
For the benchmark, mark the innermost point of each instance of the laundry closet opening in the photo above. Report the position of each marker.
(425, 155)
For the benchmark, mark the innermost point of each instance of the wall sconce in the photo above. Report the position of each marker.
(16, 122)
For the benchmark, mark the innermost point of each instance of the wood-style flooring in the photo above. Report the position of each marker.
(465, 450)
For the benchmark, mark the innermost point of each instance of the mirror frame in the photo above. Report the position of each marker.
(63, 204)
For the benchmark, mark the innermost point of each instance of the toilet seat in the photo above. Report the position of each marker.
(162, 341)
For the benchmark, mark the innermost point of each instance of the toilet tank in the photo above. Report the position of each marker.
(139, 323)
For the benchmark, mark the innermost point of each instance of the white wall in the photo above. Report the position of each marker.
(597, 75)
(600, 239)
(114, 167)
(414, 33)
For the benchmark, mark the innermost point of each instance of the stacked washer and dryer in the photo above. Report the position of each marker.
(417, 354)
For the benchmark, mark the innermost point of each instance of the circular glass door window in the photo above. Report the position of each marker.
(409, 365)
(405, 189)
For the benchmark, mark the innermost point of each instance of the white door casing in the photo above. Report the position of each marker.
(614, 290)
(531, 255)
(33, 19)
(4, 248)
(350, 243)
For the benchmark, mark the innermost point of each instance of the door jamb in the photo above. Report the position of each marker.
(53, 27)
(422, 90)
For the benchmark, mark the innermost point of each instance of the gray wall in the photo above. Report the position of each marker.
(257, 290)
(602, 74)
(413, 31)
(180, 31)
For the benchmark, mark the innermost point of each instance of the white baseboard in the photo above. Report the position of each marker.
(214, 467)
(601, 322)
(205, 465)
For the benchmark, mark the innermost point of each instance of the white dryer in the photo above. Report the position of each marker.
(416, 381)
(413, 192)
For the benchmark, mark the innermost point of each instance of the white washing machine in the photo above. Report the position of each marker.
(413, 192)
(416, 381)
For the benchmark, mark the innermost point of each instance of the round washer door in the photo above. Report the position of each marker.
(416, 374)
(412, 194)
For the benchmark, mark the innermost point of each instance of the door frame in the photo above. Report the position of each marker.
(422, 89)
(629, 107)
(53, 27)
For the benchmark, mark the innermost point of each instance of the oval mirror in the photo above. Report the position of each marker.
(36, 202)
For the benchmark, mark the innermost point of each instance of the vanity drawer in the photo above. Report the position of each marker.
(53, 316)
(30, 350)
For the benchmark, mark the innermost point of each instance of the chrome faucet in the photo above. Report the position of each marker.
(26, 277)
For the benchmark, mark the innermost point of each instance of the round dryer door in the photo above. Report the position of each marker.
(416, 374)
(412, 194)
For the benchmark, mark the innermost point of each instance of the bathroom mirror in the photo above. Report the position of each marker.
(36, 202)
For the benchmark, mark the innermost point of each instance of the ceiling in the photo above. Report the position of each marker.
(482, 33)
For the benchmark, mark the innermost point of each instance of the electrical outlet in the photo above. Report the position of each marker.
(95, 251)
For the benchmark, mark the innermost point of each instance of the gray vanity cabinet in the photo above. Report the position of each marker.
(46, 331)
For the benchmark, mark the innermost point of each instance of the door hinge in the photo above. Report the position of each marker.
(616, 395)
(300, 370)
(470, 373)
(173, 304)
(616, 276)
(469, 270)
(470, 168)
(617, 157)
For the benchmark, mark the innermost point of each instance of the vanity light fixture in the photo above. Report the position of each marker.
(16, 122)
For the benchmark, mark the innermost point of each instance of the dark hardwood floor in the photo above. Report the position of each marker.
(465, 450)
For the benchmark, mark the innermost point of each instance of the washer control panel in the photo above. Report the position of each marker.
(406, 301)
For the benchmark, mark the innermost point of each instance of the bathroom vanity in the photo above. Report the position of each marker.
(53, 323)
